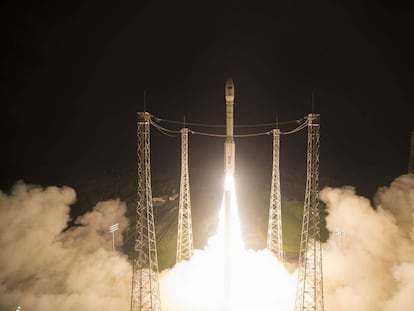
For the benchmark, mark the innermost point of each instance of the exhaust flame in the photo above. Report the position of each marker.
(257, 281)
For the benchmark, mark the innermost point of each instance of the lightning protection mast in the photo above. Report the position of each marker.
(145, 295)
(185, 231)
(309, 292)
(274, 230)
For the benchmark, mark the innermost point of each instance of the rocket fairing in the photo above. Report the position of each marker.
(229, 149)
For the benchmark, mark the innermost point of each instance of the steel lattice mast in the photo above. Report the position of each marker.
(274, 230)
(145, 295)
(309, 292)
(185, 230)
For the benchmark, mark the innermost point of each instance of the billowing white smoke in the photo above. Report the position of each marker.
(369, 268)
(372, 267)
(43, 267)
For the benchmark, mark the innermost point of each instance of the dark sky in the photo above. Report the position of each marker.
(73, 75)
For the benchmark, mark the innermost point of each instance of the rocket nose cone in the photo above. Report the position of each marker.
(229, 91)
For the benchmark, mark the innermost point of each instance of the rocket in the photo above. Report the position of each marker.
(229, 156)
(229, 149)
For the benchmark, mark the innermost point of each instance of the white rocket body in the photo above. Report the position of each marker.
(229, 157)
(229, 149)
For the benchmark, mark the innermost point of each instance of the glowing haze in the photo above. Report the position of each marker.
(373, 268)
(258, 280)
(46, 266)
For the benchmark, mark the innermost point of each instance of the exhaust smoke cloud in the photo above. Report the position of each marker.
(46, 266)
(43, 267)
(373, 267)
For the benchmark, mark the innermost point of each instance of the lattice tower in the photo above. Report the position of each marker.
(274, 230)
(309, 292)
(145, 295)
(185, 230)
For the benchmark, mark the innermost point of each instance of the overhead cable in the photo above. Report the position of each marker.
(299, 128)
(176, 133)
(165, 131)
(157, 119)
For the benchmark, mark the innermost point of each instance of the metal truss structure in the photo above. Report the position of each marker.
(309, 292)
(274, 230)
(185, 230)
(145, 295)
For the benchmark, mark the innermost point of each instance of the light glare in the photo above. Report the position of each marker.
(257, 280)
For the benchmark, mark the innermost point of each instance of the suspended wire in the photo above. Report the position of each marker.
(252, 134)
(187, 123)
(168, 132)
(299, 128)
(165, 131)
(176, 133)
(157, 119)
(235, 136)
(206, 134)
(268, 124)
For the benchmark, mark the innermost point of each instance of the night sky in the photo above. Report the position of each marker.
(74, 74)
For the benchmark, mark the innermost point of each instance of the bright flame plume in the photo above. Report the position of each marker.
(257, 280)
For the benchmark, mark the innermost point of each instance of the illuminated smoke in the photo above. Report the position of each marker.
(373, 267)
(45, 268)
